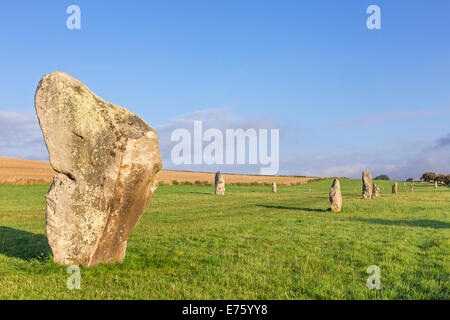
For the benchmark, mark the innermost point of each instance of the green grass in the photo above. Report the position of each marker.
(248, 244)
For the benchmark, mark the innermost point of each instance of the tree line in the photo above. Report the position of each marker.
(432, 177)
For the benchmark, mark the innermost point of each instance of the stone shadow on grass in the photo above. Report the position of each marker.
(292, 208)
(435, 224)
(23, 245)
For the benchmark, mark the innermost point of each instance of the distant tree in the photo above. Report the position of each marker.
(441, 178)
(382, 177)
(410, 180)
(447, 179)
(429, 176)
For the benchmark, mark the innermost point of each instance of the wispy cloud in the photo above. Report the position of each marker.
(389, 116)
(21, 137)
(17, 129)
(340, 165)
(218, 118)
(443, 142)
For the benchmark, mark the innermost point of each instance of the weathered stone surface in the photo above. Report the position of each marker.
(274, 187)
(336, 196)
(107, 161)
(395, 188)
(376, 190)
(367, 185)
(220, 184)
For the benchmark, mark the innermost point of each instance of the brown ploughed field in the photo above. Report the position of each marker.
(18, 171)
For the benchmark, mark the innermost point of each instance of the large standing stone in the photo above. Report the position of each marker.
(220, 184)
(367, 185)
(274, 187)
(107, 160)
(376, 190)
(436, 185)
(395, 188)
(336, 196)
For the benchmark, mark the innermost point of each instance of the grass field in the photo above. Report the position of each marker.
(248, 244)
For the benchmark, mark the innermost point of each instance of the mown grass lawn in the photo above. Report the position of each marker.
(248, 244)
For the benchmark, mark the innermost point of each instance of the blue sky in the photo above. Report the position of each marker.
(345, 98)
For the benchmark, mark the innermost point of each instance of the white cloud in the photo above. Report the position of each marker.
(21, 137)
(219, 118)
(349, 165)
(18, 129)
(443, 142)
(397, 164)
(433, 156)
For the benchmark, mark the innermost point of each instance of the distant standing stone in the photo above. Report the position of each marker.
(376, 190)
(367, 185)
(395, 188)
(274, 187)
(436, 185)
(404, 184)
(336, 196)
(220, 184)
(412, 186)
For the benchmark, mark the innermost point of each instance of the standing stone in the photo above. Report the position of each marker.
(274, 187)
(395, 188)
(106, 161)
(376, 190)
(412, 186)
(436, 185)
(367, 185)
(404, 184)
(220, 184)
(336, 196)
